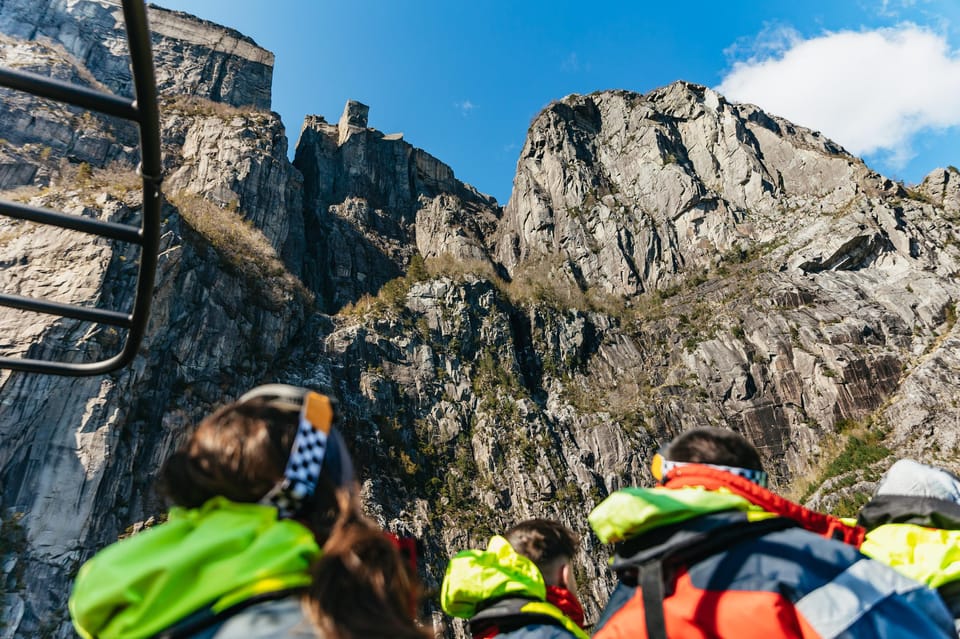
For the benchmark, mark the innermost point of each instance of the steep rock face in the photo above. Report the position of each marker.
(942, 186)
(200, 58)
(824, 280)
(193, 56)
(631, 191)
(373, 200)
(238, 159)
(84, 43)
(39, 135)
(671, 260)
(459, 430)
(814, 314)
(492, 402)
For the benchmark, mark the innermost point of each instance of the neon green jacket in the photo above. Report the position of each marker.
(476, 576)
(929, 555)
(212, 557)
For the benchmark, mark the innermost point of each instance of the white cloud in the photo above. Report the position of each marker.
(892, 8)
(772, 41)
(870, 91)
(465, 107)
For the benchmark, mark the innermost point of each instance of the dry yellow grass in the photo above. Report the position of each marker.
(241, 246)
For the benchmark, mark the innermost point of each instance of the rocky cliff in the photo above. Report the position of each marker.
(372, 201)
(666, 261)
(795, 287)
(78, 455)
(39, 134)
(193, 56)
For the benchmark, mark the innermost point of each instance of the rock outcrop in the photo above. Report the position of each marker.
(791, 291)
(632, 191)
(942, 187)
(666, 261)
(237, 159)
(372, 201)
(224, 309)
(40, 135)
(193, 56)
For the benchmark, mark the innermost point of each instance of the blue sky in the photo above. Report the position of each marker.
(463, 80)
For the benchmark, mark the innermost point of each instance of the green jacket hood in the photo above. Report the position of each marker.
(214, 556)
(630, 512)
(475, 576)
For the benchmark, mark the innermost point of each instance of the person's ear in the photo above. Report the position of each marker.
(567, 578)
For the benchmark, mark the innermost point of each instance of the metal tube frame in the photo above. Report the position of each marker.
(144, 111)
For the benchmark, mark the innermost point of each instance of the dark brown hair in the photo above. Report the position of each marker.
(362, 587)
(240, 452)
(714, 446)
(543, 541)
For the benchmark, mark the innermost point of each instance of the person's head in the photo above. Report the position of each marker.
(255, 450)
(717, 447)
(551, 546)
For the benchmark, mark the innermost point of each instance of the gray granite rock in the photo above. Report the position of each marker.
(371, 201)
(193, 56)
(942, 186)
(77, 471)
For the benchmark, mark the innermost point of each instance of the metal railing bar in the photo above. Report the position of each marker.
(48, 367)
(151, 170)
(83, 313)
(145, 91)
(61, 91)
(111, 230)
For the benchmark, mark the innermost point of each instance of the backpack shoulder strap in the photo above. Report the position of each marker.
(651, 585)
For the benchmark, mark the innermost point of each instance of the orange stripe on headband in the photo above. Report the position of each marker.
(318, 411)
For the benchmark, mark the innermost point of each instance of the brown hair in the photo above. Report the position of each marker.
(240, 452)
(362, 587)
(543, 541)
(714, 446)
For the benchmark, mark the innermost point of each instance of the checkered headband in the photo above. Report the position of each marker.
(317, 448)
(661, 466)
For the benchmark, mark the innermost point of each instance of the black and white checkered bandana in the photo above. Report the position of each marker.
(306, 457)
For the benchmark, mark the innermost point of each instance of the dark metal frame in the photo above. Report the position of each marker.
(144, 111)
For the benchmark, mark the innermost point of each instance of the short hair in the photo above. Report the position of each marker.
(543, 541)
(714, 446)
